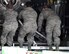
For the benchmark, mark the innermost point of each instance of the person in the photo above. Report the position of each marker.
(29, 25)
(10, 24)
(53, 24)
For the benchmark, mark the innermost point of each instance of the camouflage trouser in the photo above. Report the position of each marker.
(53, 30)
(27, 29)
(8, 33)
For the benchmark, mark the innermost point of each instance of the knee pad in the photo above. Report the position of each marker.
(3, 40)
(57, 41)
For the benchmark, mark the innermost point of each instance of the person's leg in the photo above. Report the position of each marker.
(3, 36)
(13, 27)
(21, 36)
(56, 41)
(10, 38)
(49, 36)
(56, 34)
(30, 39)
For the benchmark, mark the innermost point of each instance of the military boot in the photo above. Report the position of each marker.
(50, 47)
(57, 48)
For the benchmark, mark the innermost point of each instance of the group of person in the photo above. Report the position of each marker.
(29, 25)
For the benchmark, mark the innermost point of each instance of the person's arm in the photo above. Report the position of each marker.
(20, 16)
(40, 20)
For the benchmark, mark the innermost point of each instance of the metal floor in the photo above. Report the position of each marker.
(40, 49)
(41, 46)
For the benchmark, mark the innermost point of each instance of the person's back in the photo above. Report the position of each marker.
(10, 16)
(49, 14)
(29, 14)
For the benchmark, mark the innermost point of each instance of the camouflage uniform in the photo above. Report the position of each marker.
(29, 26)
(10, 26)
(53, 23)
(2, 8)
